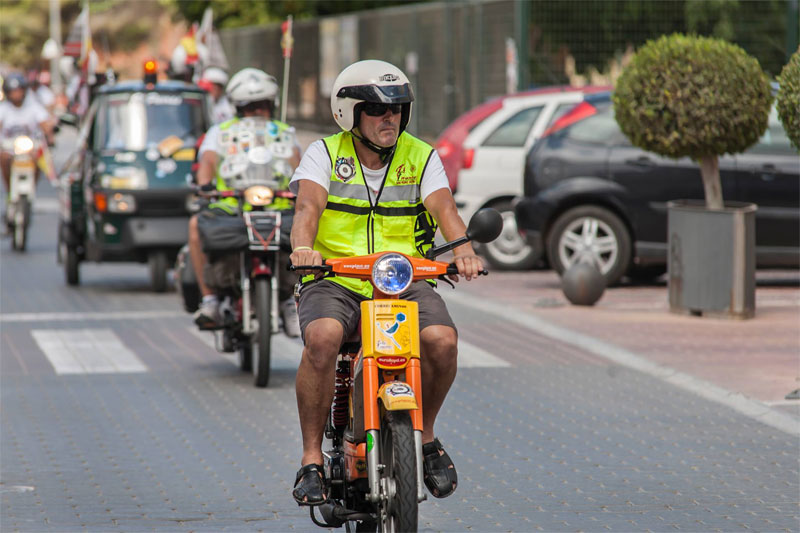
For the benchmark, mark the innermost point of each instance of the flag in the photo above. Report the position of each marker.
(287, 41)
(45, 163)
(207, 36)
(79, 38)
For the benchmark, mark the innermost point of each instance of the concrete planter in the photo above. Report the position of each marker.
(711, 264)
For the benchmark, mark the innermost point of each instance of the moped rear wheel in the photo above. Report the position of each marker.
(263, 334)
(399, 513)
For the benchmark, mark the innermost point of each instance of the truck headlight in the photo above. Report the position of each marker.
(392, 273)
(22, 145)
(258, 195)
(124, 178)
(121, 203)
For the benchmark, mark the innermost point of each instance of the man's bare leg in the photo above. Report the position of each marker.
(439, 346)
(315, 383)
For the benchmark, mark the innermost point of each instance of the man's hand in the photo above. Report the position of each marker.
(468, 265)
(305, 256)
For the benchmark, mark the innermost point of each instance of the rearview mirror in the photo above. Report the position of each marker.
(485, 225)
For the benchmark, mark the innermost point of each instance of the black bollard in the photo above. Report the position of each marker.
(583, 284)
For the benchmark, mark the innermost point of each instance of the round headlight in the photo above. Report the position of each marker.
(392, 274)
(258, 195)
(22, 145)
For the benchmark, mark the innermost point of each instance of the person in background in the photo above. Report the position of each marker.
(214, 81)
(254, 93)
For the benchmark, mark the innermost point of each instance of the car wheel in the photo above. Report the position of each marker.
(593, 235)
(509, 251)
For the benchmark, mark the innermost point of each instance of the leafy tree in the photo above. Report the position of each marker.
(693, 96)
(236, 13)
(789, 98)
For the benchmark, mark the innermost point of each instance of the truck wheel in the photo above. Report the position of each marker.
(71, 265)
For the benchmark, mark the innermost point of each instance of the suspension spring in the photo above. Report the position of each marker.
(339, 408)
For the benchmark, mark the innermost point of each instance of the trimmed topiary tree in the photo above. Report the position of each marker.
(693, 96)
(789, 98)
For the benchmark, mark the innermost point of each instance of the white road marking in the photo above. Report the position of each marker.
(45, 205)
(86, 351)
(286, 352)
(99, 315)
(471, 356)
(736, 401)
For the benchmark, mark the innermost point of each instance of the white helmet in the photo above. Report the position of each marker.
(370, 80)
(251, 85)
(215, 75)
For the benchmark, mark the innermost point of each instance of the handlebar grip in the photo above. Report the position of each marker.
(453, 269)
(322, 268)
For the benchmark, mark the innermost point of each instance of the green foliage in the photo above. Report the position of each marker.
(237, 13)
(789, 98)
(692, 96)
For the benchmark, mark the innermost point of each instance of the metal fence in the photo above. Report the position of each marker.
(459, 54)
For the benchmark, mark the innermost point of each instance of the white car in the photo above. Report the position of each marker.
(491, 160)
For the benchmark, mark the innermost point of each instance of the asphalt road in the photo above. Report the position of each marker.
(116, 415)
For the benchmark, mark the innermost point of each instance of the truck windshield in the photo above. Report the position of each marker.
(138, 121)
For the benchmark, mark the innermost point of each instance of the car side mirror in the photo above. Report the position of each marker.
(485, 225)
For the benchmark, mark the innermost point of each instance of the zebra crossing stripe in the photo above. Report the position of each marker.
(86, 351)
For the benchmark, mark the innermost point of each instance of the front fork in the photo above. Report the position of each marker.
(372, 425)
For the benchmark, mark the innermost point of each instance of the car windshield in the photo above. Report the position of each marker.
(138, 121)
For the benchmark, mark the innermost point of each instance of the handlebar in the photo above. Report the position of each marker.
(204, 191)
(452, 269)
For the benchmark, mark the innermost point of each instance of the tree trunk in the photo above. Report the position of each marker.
(709, 169)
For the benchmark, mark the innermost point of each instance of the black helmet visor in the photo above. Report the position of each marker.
(387, 94)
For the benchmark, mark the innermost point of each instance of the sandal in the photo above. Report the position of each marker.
(440, 472)
(310, 490)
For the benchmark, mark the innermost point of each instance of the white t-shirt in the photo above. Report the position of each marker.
(222, 110)
(29, 115)
(316, 166)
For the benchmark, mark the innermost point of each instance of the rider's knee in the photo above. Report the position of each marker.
(440, 344)
(322, 340)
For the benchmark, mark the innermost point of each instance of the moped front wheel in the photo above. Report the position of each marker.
(399, 511)
(262, 338)
(22, 217)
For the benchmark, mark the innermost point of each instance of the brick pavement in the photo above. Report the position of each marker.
(759, 357)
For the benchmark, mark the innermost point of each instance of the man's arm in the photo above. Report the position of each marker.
(207, 168)
(441, 205)
(310, 203)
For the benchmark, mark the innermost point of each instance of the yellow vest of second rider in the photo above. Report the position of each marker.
(231, 204)
(352, 225)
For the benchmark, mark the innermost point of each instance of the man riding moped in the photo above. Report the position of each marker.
(17, 111)
(253, 93)
(370, 188)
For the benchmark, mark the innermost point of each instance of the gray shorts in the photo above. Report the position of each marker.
(326, 299)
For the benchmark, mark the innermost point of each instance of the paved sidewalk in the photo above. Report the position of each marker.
(759, 358)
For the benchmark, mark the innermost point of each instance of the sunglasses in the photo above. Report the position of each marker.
(374, 109)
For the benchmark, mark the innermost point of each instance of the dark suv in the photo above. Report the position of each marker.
(590, 195)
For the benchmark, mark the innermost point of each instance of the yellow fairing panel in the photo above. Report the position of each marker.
(397, 396)
(390, 328)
